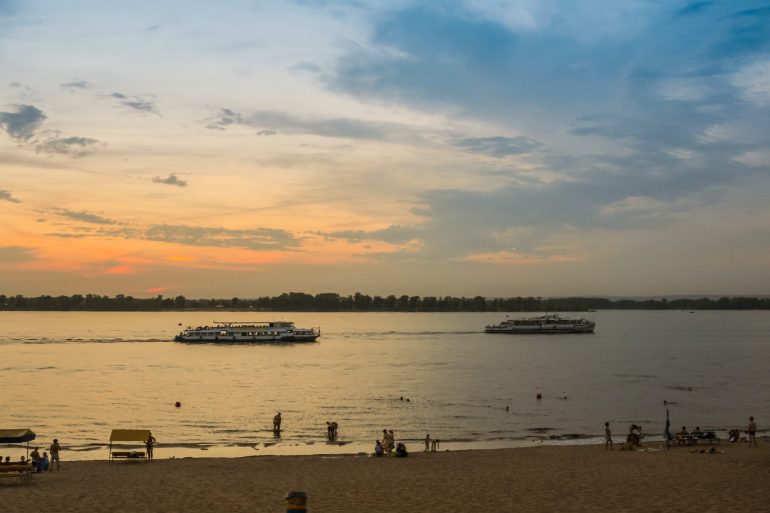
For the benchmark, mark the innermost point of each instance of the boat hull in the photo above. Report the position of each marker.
(245, 340)
(540, 331)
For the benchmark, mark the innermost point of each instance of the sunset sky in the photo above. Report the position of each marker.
(500, 148)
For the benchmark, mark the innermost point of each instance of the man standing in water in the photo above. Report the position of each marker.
(54, 449)
(277, 424)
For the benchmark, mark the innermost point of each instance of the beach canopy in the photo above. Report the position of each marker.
(130, 435)
(16, 436)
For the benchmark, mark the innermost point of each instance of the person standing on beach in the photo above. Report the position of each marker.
(149, 444)
(277, 424)
(391, 441)
(54, 449)
(427, 442)
(607, 436)
(752, 432)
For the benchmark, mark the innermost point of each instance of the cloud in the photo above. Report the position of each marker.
(6, 195)
(288, 123)
(395, 234)
(72, 146)
(136, 103)
(76, 85)
(256, 239)
(22, 123)
(223, 119)
(753, 81)
(83, 216)
(498, 146)
(16, 254)
(172, 179)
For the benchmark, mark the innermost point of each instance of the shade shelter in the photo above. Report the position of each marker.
(17, 436)
(129, 435)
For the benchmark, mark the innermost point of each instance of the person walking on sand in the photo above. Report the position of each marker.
(149, 444)
(54, 450)
(752, 432)
(607, 436)
(277, 424)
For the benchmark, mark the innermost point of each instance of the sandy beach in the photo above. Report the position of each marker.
(541, 479)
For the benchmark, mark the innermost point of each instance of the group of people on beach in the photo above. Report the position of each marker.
(634, 438)
(37, 462)
(388, 445)
(431, 444)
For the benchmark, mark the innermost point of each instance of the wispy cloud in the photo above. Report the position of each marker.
(6, 195)
(136, 103)
(256, 239)
(22, 123)
(171, 179)
(16, 254)
(224, 118)
(498, 146)
(72, 146)
(83, 216)
(76, 85)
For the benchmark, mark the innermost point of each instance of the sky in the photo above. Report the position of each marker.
(469, 147)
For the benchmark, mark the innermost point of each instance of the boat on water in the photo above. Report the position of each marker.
(229, 332)
(549, 323)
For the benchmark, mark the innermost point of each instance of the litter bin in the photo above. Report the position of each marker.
(296, 502)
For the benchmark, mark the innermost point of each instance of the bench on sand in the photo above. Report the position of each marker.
(128, 454)
(16, 471)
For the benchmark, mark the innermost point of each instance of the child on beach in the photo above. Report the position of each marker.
(607, 436)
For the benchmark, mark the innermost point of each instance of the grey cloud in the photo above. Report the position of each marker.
(325, 127)
(395, 234)
(498, 146)
(83, 216)
(15, 254)
(223, 119)
(6, 195)
(72, 146)
(77, 84)
(255, 239)
(172, 179)
(23, 123)
(136, 103)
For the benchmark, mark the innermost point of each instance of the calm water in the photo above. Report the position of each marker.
(77, 375)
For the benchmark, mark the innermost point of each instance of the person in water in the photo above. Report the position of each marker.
(277, 424)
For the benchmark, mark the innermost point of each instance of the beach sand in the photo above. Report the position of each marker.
(540, 479)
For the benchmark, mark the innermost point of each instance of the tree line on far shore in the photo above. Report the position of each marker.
(333, 302)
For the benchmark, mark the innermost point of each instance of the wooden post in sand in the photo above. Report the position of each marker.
(296, 502)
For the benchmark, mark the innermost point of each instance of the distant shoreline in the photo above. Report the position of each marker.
(333, 302)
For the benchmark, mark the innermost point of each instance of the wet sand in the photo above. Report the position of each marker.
(540, 479)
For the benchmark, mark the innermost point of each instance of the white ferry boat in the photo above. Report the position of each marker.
(549, 323)
(272, 331)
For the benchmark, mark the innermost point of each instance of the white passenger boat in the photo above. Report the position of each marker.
(549, 324)
(272, 331)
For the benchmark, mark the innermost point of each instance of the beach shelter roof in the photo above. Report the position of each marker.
(130, 435)
(16, 436)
